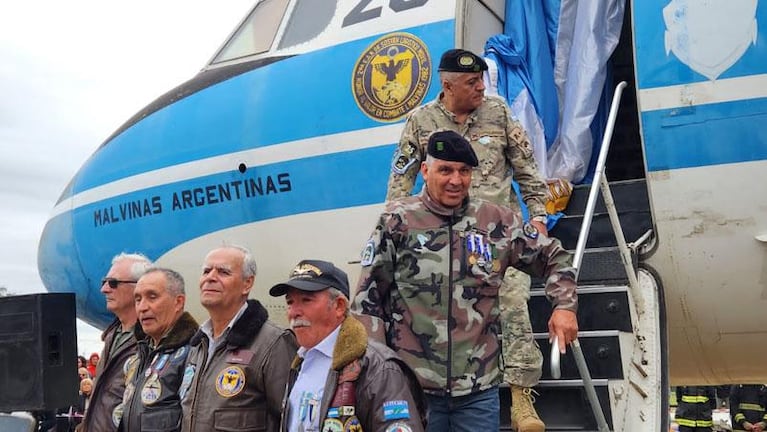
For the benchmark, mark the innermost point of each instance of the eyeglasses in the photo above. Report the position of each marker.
(114, 282)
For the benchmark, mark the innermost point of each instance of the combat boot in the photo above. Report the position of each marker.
(523, 415)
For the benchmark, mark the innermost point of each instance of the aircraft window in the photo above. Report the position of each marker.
(308, 19)
(257, 33)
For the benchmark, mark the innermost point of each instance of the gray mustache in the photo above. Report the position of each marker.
(298, 322)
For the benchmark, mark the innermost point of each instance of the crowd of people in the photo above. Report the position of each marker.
(422, 344)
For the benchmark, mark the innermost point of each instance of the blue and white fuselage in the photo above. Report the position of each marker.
(283, 144)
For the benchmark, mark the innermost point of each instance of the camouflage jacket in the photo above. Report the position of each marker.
(501, 144)
(430, 280)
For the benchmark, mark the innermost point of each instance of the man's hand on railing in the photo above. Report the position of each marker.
(564, 325)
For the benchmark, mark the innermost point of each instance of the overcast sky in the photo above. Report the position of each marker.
(71, 72)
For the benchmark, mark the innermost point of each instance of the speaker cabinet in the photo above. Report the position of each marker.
(38, 352)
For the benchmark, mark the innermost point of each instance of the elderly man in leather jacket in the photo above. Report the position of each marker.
(154, 374)
(239, 360)
(105, 409)
(341, 380)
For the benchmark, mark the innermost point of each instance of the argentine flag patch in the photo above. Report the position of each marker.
(396, 410)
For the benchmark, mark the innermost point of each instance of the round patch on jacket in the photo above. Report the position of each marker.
(368, 254)
(180, 354)
(399, 427)
(151, 391)
(332, 425)
(230, 381)
(117, 415)
(530, 230)
(130, 366)
(352, 425)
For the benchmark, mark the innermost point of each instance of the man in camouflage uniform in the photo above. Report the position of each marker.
(504, 150)
(429, 286)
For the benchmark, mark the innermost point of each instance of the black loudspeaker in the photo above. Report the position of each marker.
(38, 352)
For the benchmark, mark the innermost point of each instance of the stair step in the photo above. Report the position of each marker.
(599, 308)
(599, 265)
(602, 352)
(633, 206)
(628, 195)
(562, 405)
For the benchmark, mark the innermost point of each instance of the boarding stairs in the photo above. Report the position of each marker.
(620, 343)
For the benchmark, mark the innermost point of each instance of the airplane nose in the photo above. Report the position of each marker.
(62, 270)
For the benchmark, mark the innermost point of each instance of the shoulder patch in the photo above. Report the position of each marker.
(530, 230)
(401, 162)
(368, 254)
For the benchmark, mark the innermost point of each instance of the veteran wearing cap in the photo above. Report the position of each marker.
(431, 274)
(340, 380)
(504, 151)
(153, 375)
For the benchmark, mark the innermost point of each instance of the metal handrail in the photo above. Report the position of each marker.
(600, 182)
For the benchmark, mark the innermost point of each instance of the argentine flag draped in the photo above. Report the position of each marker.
(550, 65)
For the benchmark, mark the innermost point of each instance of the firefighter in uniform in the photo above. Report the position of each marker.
(694, 405)
(748, 404)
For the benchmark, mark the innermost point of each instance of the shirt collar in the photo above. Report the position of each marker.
(207, 326)
(325, 346)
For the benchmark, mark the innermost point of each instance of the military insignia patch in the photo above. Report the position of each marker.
(117, 415)
(368, 254)
(186, 382)
(466, 60)
(352, 425)
(180, 354)
(401, 162)
(230, 381)
(332, 425)
(151, 391)
(391, 77)
(530, 230)
(399, 427)
(130, 366)
(396, 410)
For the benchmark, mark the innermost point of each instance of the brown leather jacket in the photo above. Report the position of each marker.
(109, 384)
(242, 386)
(384, 381)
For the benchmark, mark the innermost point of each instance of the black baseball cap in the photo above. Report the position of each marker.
(460, 60)
(313, 275)
(451, 146)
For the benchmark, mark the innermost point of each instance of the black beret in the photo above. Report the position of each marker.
(458, 60)
(452, 147)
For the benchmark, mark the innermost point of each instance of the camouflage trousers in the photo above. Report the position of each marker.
(521, 355)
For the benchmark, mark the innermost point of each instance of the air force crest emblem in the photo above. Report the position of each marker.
(701, 38)
(391, 77)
